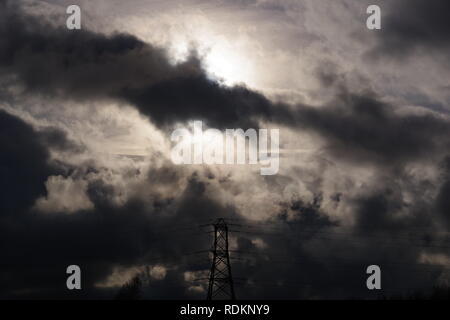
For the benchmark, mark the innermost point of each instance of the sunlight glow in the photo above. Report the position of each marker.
(222, 61)
(228, 67)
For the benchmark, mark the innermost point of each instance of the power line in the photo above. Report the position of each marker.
(280, 234)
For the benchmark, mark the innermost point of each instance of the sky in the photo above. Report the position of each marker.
(87, 178)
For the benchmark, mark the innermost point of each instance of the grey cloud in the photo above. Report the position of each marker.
(57, 139)
(414, 25)
(443, 198)
(362, 128)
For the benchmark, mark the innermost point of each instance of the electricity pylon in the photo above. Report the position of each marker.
(220, 279)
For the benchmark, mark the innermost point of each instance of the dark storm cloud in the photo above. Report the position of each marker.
(200, 98)
(377, 214)
(85, 65)
(325, 260)
(443, 199)
(360, 127)
(58, 140)
(24, 165)
(412, 25)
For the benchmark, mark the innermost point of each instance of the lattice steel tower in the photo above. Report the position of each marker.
(220, 279)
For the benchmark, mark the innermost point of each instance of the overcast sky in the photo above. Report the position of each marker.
(86, 118)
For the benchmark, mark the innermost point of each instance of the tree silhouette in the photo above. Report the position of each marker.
(131, 290)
